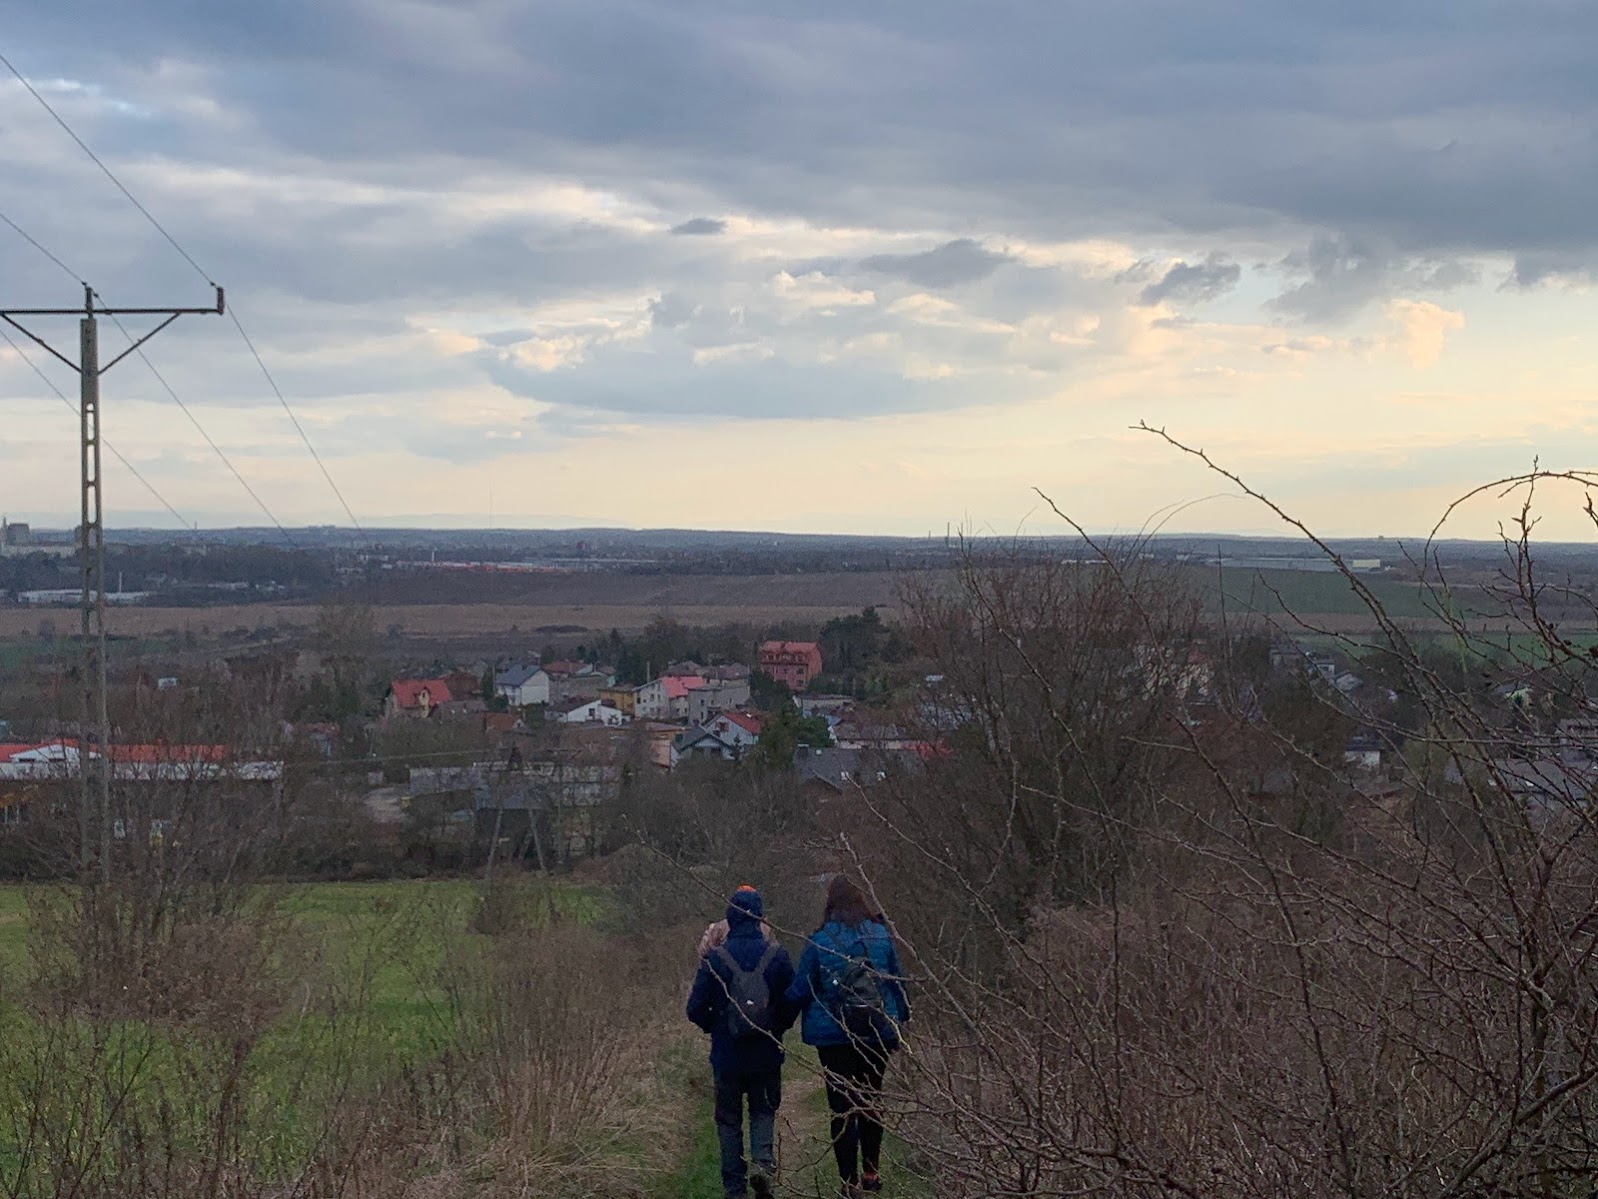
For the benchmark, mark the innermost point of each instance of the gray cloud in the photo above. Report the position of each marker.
(951, 264)
(323, 158)
(1193, 282)
(1438, 129)
(1339, 275)
(700, 226)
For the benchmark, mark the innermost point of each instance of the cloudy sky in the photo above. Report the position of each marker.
(832, 266)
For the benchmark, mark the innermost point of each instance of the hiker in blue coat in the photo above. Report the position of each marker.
(740, 998)
(851, 990)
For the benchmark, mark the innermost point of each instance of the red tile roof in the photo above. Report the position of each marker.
(750, 722)
(677, 686)
(10, 750)
(408, 692)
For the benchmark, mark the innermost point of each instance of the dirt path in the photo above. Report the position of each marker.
(804, 1148)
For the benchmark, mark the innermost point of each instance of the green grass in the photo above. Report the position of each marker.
(368, 1003)
(1312, 593)
(698, 1171)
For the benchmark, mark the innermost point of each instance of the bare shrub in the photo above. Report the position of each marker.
(559, 1029)
(1174, 947)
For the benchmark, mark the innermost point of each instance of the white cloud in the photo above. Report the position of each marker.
(1423, 329)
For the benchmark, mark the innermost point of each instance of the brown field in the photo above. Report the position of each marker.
(599, 602)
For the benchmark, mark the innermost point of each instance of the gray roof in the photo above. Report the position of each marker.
(839, 768)
(516, 676)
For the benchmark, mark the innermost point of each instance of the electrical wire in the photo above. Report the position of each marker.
(73, 408)
(277, 391)
(109, 174)
(36, 244)
(194, 420)
(29, 238)
(201, 271)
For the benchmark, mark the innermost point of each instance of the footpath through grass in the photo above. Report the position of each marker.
(804, 1144)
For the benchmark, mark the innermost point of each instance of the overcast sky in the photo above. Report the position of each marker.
(833, 266)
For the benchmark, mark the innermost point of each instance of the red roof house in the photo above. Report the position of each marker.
(417, 698)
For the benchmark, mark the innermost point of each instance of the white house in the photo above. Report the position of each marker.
(596, 711)
(665, 698)
(523, 685)
(702, 743)
(737, 729)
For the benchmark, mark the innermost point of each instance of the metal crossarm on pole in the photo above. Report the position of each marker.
(94, 762)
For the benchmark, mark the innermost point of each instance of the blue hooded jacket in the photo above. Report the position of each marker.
(828, 943)
(707, 1002)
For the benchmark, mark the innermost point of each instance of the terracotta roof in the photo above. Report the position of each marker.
(677, 686)
(8, 750)
(749, 722)
(408, 692)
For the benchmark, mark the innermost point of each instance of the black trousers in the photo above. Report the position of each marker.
(854, 1094)
(763, 1091)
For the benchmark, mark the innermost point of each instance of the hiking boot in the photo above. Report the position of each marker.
(760, 1183)
(870, 1184)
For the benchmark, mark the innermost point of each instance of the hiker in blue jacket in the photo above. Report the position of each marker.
(851, 990)
(740, 998)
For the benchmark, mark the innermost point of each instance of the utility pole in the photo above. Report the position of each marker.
(94, 781)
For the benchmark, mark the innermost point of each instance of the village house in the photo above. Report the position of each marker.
(716, 696)
(702, 743)
(792, 663)
(522, 686)
(832, 771)
(415, 699)
(730, 736)
(665, 698)
(594, 711)
(741, 729)
(621, 697)
(574, 680)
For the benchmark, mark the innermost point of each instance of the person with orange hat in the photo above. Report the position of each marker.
(739, 997)
(715, 934)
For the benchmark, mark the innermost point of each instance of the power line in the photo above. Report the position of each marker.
(36, 244)
(189, 258)
(109, 174)
(277, 391)
(194, 420)
(73, 408)
(29, 238)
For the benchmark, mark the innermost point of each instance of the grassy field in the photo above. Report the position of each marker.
(365, 1002)
(568, 602)
(581, 603)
